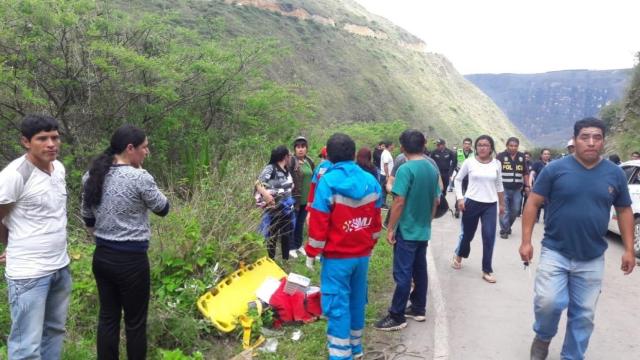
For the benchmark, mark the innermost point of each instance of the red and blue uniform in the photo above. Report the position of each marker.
(317, 174)
(344, 227)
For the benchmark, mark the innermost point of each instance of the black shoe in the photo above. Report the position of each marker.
(410, 313)
(389, 324)
(504, 235)
(509, 232)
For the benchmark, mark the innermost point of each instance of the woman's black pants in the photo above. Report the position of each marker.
(123, 285)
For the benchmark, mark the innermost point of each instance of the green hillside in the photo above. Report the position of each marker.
(624, 119)
(353, 77)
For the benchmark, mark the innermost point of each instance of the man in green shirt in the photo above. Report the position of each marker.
(416, 193)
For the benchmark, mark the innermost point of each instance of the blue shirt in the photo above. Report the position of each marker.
(578, 205)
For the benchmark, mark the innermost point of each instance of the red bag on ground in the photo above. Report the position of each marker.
(295, 307)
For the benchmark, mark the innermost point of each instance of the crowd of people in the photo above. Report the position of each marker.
(340, 200)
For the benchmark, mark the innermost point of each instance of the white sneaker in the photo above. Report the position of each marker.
(301, 251)
(293, 254)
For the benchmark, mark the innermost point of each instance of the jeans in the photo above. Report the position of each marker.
(123, 285)
(561, 283)
(343, 283)
(383, 183)
(38, 313)
(474, 212)
(301, 217)
(512, 204)
(409, 263)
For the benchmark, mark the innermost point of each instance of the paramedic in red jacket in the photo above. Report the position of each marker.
(344, 227)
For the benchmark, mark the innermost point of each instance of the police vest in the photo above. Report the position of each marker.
(513, 170)
(462, 156)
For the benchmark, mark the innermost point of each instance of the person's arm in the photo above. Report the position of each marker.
(532, 176)
(319, 221)
(397, 207)
(464, 170)
(4, 232)
(625, 223)
(534, 202)
(389, 185)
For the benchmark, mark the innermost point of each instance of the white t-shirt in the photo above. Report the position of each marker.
(485, 180)
(37, 221)
(386, 158)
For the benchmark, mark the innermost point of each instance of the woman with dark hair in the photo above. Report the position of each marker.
(275, 185)
(363, 159)
(484, 192)
(117, 195)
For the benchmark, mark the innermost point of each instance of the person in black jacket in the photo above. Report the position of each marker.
(446, 161)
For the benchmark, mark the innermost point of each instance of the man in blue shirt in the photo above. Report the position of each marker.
(579, 191)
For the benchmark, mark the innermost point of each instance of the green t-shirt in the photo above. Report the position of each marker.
(307, 173)
(417, 182)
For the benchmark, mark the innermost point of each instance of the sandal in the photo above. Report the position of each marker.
(455, 263)
(488, 278)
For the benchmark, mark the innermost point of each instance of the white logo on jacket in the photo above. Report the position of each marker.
(356, 224)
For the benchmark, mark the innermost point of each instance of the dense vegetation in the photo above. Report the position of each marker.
(623, 118)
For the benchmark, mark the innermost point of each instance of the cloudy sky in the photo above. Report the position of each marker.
(521, 36)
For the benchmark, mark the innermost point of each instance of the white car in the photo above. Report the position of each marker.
(632, 171)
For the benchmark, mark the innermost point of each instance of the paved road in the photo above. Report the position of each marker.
(471, 319)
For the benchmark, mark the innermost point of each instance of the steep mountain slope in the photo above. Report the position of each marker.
(545, 106)
(625, 137)
(357, 66)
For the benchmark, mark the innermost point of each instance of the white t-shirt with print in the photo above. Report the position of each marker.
(37, 221)
(386, 158)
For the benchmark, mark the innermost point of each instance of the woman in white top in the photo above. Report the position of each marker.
(480, 203)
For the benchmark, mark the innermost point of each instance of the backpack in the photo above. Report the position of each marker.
(442, 208)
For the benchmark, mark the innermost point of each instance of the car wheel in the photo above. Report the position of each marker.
(636, 236)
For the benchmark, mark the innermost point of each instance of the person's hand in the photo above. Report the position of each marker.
(269, 200)
(501, 209)
(526, 252)
(527, 190)
(3, 257)
(388, 187)
(309, 262)
(391, 236)
(460, 204)
(628, 262)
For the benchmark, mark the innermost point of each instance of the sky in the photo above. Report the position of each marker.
(521, 36)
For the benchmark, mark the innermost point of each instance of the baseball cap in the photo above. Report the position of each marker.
(570, 143)
(299, 139)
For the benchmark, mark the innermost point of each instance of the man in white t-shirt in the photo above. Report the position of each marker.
(386, 165)
(33, 225)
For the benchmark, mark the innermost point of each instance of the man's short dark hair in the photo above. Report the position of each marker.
(467, 140)
(635, 153)
(340, 147)
(35, 123)
(388, 143)
(586, 123)
(513, 139)
(412, 141)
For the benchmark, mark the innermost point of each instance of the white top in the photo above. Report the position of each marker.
(386, 158)
(485, 180)
(37, 221)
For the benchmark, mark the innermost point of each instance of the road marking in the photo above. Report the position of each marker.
(441, 328)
